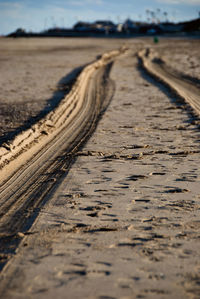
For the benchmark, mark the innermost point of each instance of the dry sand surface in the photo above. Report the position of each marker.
(124, 222)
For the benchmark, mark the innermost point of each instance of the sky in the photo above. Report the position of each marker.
(38, 15)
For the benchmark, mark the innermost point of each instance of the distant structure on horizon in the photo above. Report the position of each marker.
(102, 28)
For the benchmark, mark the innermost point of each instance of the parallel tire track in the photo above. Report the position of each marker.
(159, 69)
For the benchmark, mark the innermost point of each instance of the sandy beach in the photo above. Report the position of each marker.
(121, 220)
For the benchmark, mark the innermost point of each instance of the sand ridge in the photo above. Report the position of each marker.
(26, 144)
(158, 68)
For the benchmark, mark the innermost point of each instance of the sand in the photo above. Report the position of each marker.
(124, 222)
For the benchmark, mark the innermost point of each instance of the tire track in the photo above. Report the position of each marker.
(161, 71)
(45, 157)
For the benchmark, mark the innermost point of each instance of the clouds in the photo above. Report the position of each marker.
(70, 3)
(180, 2)
(85, 2)
(10, 5)
(10, 10)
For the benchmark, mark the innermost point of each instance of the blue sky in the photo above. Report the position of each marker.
(37, 15)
